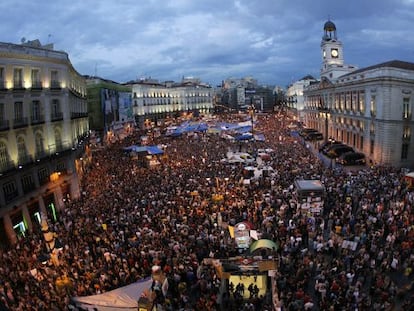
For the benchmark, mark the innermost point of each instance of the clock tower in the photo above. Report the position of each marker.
(332, 54)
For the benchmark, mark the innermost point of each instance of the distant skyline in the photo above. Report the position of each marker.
(276, 42)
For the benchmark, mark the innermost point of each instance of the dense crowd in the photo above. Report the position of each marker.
(130, 218)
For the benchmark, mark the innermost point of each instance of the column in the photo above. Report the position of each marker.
(74, 186)
(26, 217)
(8, 227)
(42, 207)
(58, 198)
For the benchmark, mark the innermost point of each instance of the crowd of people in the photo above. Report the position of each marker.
(354, 255)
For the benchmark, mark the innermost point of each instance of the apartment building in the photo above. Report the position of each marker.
(43, 134)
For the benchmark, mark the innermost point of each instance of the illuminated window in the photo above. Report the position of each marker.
(373, 106)
(18, 78)
(406, 108)
(54, 79)
(36, 78)
(407, 132)
(361, 101)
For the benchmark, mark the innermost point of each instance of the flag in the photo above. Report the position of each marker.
(253, 234)
(231, 231)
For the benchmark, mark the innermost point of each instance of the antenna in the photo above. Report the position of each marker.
(96, 69)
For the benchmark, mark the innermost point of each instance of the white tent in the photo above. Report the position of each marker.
(123, 298)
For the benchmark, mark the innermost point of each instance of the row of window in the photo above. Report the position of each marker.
(169, 95)
(35, 110)
(27, 182)
(168, 102)
(35, 78)
(353, 101)
(23, 156)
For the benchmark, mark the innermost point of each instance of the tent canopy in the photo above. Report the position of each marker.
(263, 243)
(123, 298)
(148, 149)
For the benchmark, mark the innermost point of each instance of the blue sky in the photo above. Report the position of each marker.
(274, 41)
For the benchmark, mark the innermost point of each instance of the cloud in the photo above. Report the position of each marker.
(271, 40)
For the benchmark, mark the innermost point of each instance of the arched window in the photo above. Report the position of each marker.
(4, 157)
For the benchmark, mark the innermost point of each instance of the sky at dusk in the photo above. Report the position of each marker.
(274, 41)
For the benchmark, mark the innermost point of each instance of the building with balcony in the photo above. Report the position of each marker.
(43, 130)
(154, 101)
(369, 109)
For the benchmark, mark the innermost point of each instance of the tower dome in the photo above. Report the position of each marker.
(329, 30)
(329, 26)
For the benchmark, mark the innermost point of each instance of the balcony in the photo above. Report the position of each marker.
(20, 122)
(6, 166)
(10, 196)
(25, 159)
(406, 138)
(77, 115)
(4, 125)
(41, 154)
(37, 85)
(38, 119)
(57, 116)
(18, 86)
(55, 85)
(406, 116)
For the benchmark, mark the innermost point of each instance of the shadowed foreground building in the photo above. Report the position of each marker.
(43, 131)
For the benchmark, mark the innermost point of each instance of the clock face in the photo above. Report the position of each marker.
(334, 53)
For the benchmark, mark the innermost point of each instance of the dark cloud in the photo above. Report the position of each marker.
(275, 41)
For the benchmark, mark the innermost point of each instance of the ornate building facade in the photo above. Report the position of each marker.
(369, 109)
(153, 101)
(43, 133)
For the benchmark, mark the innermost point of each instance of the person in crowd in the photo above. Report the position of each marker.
(130, 218)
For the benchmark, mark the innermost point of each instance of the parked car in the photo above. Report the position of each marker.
(303, 132)
(324, 147)
(337, 150)
(328, 148)
(352, 158)
(314, 136)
